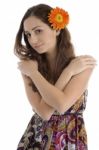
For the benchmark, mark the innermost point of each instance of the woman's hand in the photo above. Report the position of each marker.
(80, 63)
(27, 67)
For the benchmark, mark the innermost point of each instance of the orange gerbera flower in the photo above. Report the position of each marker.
(58, 18)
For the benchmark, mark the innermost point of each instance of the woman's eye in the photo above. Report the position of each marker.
(38, 31)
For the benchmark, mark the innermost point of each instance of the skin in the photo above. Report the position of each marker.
(39, 33)
(44, 39)
(53, 97)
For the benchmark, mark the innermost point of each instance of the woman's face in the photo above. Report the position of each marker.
(40, 36)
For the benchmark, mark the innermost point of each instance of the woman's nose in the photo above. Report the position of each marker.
(34, 39)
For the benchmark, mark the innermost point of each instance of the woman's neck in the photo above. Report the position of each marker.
(51, 56)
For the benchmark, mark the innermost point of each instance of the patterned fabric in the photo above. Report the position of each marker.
(60, 132)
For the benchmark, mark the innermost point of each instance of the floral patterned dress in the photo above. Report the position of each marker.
(60, 132)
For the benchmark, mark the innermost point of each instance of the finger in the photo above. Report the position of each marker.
(83, 56)
(89, 59)
(91, 63)
(86, 56)
(90, 66)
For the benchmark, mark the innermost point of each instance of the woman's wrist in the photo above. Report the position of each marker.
(69, 71)
(33, 73)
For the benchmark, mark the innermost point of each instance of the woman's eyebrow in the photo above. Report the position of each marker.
(31, 29)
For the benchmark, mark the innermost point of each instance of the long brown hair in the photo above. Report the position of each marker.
(65, 50)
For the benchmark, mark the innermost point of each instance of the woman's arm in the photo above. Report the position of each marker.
(74, 89)
(57, 98)
(78, 65)
(60, 84)
(81, 67)
(62, 81)
(50, 94)
(38, 104)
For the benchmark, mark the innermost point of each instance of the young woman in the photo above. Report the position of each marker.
(55, 81)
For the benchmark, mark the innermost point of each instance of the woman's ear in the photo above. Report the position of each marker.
(57, 32)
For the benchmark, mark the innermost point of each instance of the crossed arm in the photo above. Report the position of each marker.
(39, 105)
(60, 96)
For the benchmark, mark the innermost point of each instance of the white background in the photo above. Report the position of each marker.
(15, 110)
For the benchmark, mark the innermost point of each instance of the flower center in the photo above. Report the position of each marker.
(59, 18)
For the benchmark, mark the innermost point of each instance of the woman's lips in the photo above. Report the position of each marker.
(38, 46)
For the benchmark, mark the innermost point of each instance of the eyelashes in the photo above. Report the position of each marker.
(36, 32)
(39, 31)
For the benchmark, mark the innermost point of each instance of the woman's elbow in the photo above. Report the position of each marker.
(44, 115)
(62, 105)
